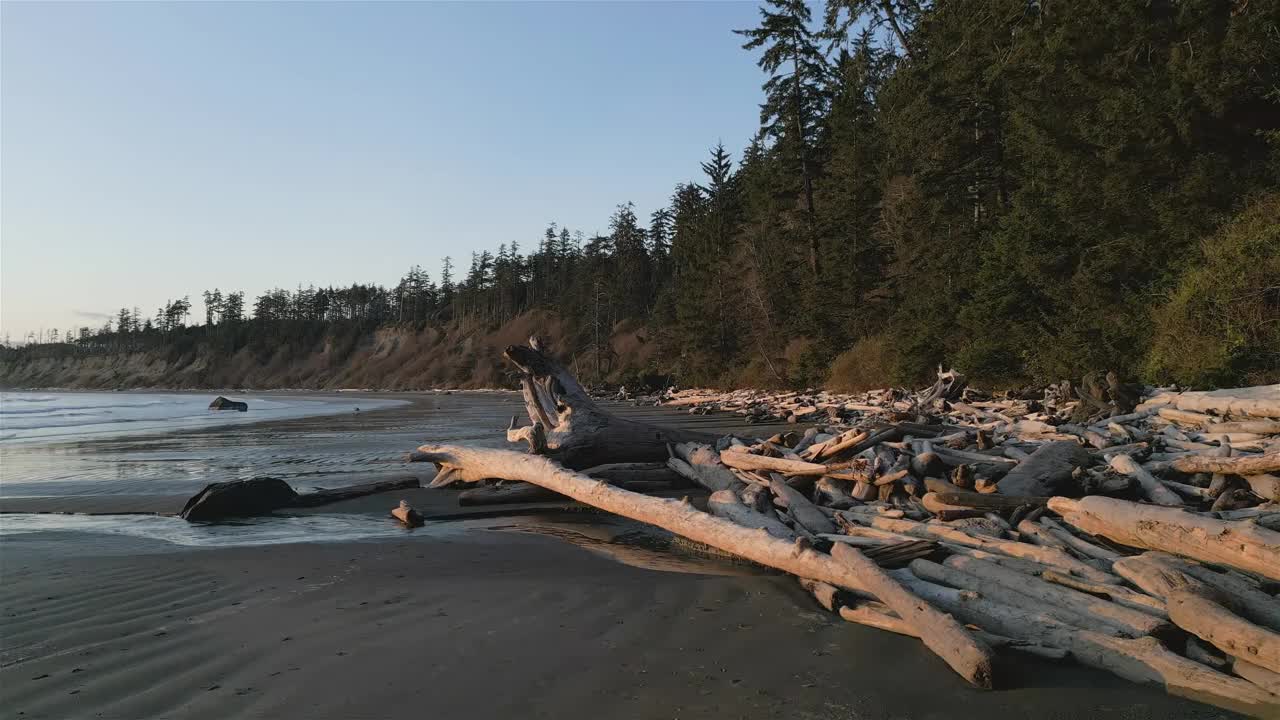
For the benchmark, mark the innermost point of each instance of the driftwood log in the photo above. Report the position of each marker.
(675, 516)
(1246, 465)
(1143, 660)
(1234, 543)
(568, 426)
(943, 635)
(1225, 630)
(264, 495)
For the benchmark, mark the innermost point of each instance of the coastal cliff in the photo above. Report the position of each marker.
(390, 358)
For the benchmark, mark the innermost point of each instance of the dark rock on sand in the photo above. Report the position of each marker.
(1047, 472)
(239, 498)
(221, 403)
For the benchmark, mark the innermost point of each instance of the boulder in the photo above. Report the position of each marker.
(221, 403)
(239, 498)
(1047, 471)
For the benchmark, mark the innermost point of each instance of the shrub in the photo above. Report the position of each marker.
(1221, 323)
(868, 365)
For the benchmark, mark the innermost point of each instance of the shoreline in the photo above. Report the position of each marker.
(386, 628)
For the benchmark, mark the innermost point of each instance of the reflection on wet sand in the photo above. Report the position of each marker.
(634, 545)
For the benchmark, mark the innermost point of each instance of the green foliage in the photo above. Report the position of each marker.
(1221, 322)
(1004, 187)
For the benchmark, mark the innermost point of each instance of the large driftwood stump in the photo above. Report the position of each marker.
(571, 428)
(1047, 471)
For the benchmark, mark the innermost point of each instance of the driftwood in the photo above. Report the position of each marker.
(571, 428)
(1029, 581)
(748, 461)
(1246, 465)
(1152, 489)
(1115, 593)
(726, 504)
(1010, 596)
(1142, 660)
(1237, 544)
(263, 495)
(799, 507)
(1259, 676)
(1047, 472)
(407, 515)
(700, 464)
(1225, 630)
(1052, 557)
(941, 634)
(1134, 622)
(1259, 402)
(674, 516)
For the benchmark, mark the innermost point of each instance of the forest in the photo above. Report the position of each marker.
(1023, 190)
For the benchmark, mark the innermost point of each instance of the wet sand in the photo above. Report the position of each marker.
(557, 614)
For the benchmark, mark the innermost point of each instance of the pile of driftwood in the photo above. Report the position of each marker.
(1133, 536)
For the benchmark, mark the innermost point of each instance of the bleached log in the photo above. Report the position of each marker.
(1184, 417)
(944, 511)
(870, 614)
(726, 504)
(1134, 622)
(1237, 544)
(944, 636)
(1080, 545)
(877, 615)
(674, 516)
(1265, 486)
(1200, 651)
(858, 541)
(1262, 401)
(1142, 660)
(700, 464)
(750, 461)
(834, 446)
(1152, 488)
(1115, 593)
(1011, 596)
(826, 594)
(1035, 534)
(1257, 675)
(1258, 427)
(1159, 579)
(1244, 465)
(804, 512)
(1046, 555)
(1244, 597)
(1225, 630)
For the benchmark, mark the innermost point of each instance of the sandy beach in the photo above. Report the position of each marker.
(552, 614)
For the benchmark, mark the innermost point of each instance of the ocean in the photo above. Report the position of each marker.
(52, 416)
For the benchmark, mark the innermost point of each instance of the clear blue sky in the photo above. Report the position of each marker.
(154, 150)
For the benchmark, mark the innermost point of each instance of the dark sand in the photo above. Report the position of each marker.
(552, 615)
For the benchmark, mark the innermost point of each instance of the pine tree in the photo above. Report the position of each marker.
(796, 97)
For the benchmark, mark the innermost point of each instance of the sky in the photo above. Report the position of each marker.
(152, 150)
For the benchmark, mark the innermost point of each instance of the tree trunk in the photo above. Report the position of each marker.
(943, 635)
(1142, 660)
(1134, 622)
(573, 429)
(1244, 465)
(1225, 630)
(1237, 544)
(1152, 488)
(675, 516)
